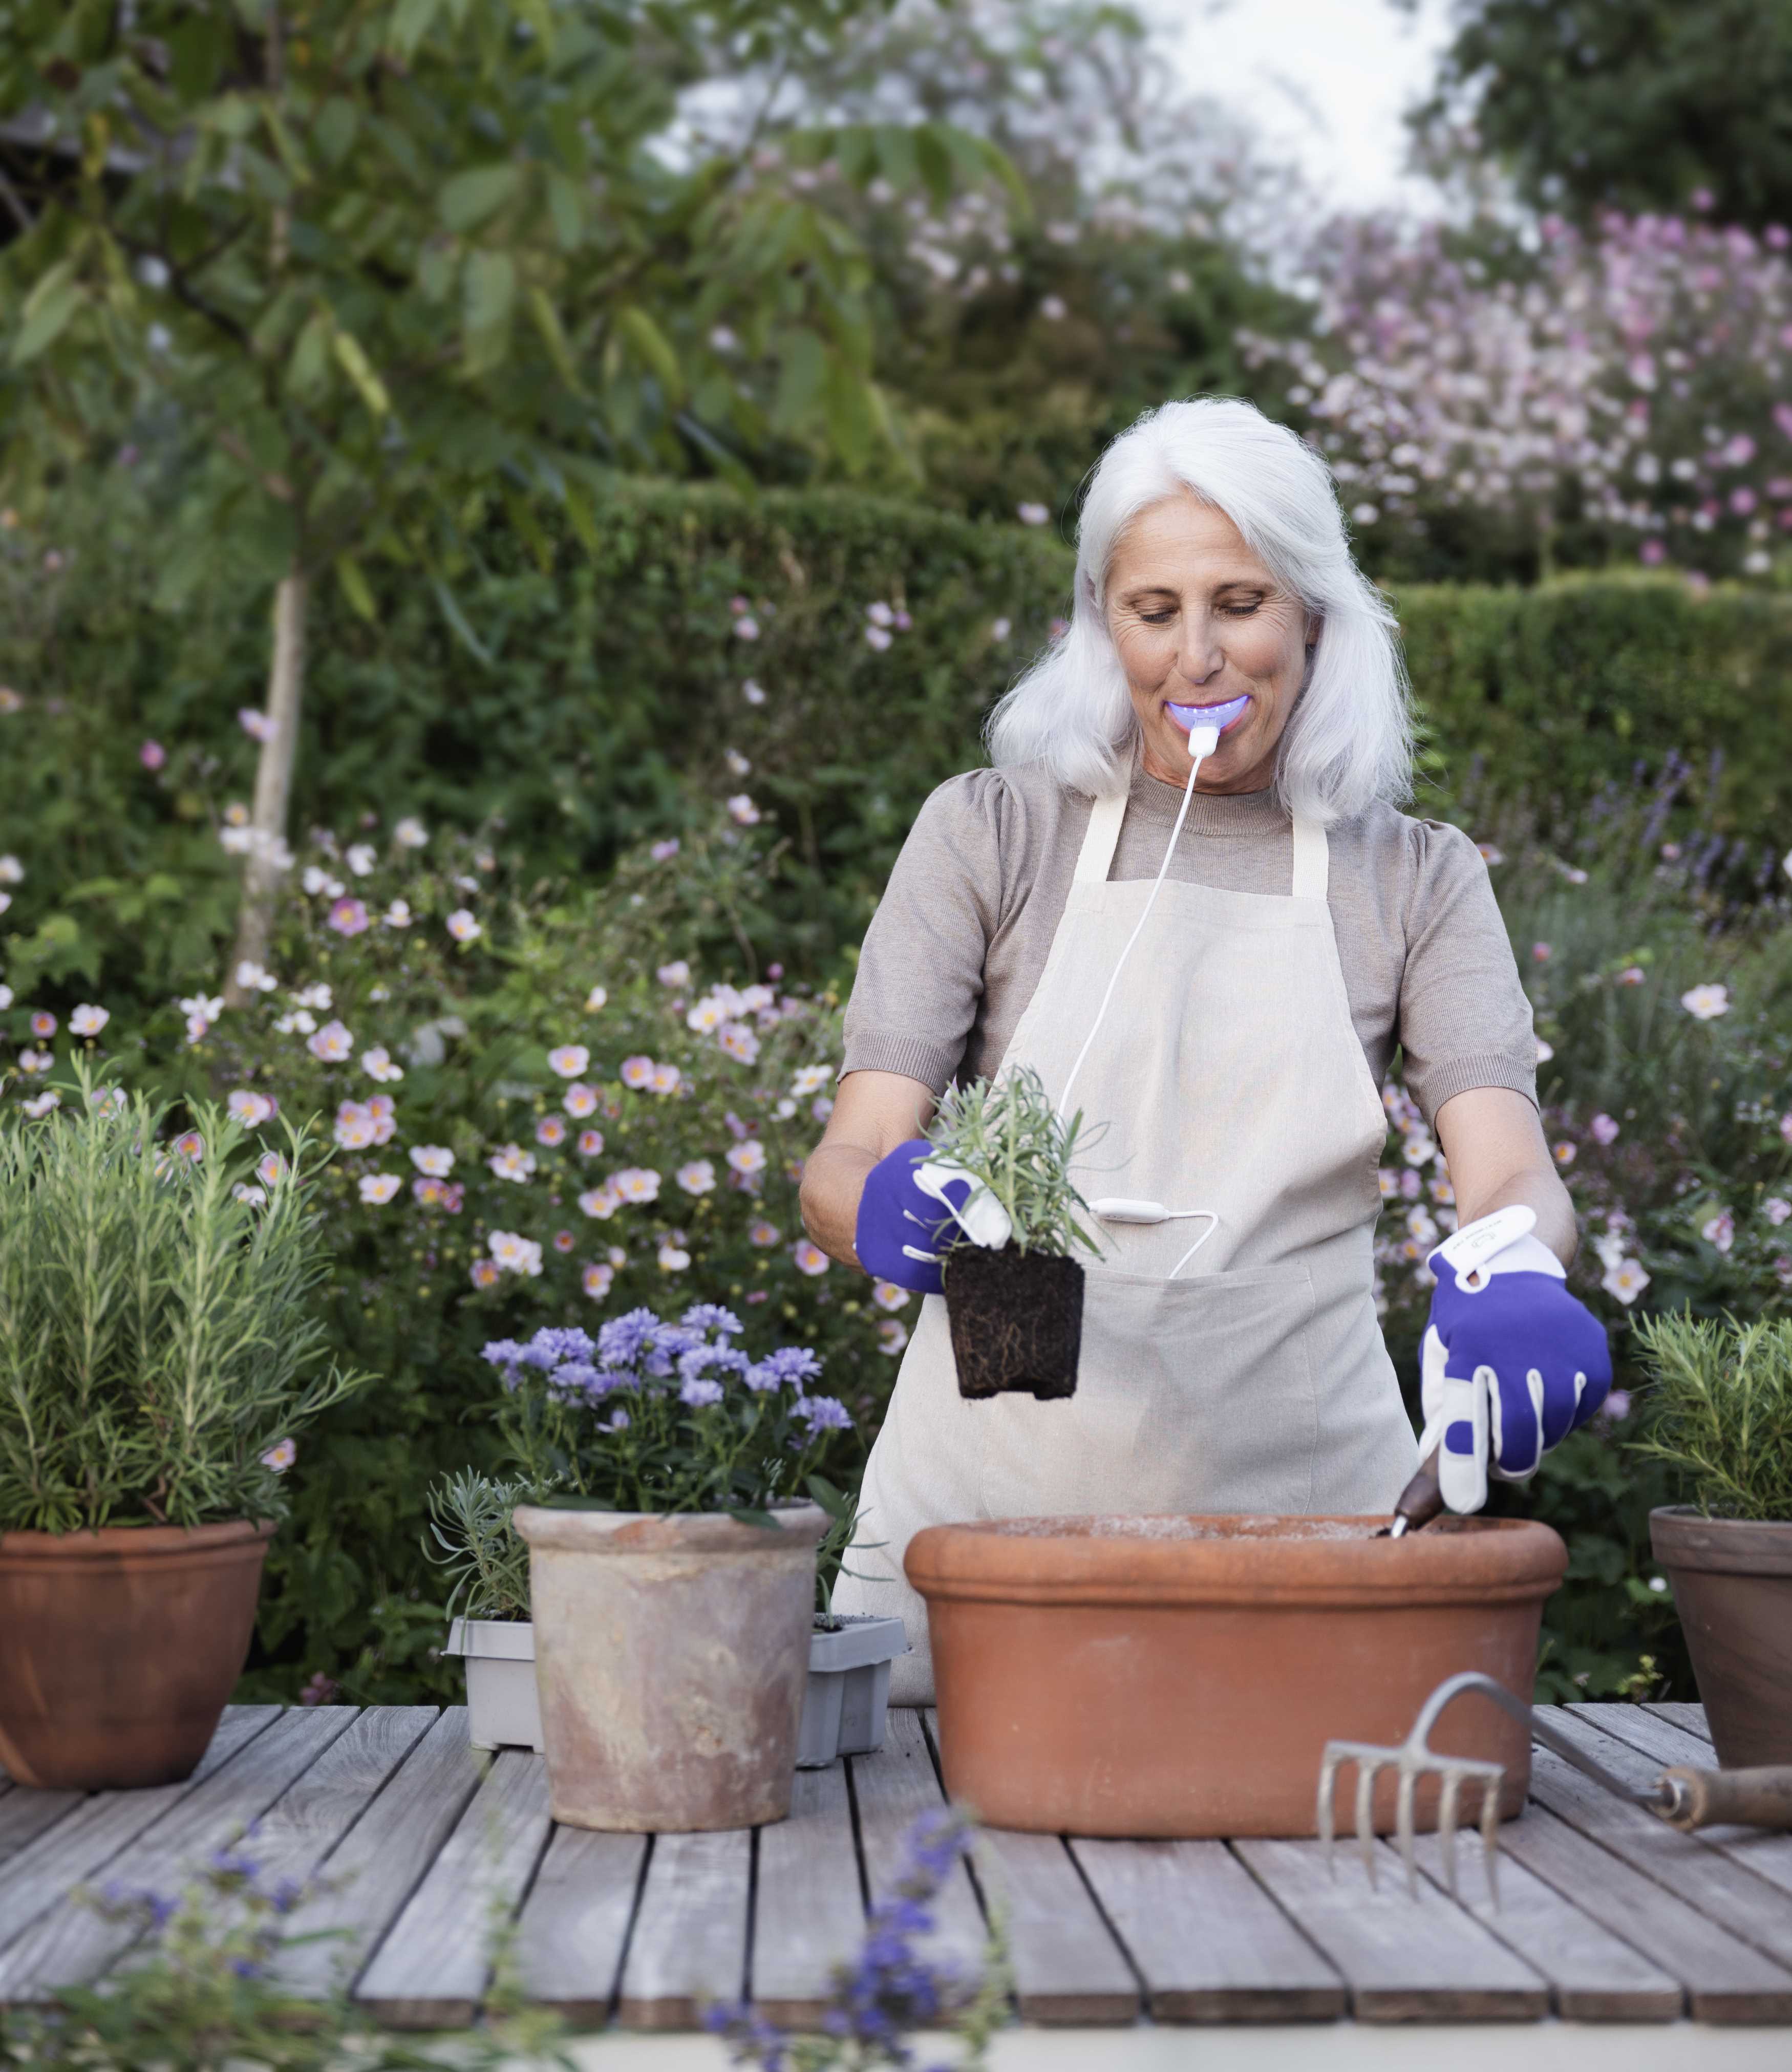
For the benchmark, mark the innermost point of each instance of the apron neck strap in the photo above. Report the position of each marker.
(1312, 860)
(1312, 855)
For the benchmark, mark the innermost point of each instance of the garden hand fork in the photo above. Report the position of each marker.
(1685, 1797)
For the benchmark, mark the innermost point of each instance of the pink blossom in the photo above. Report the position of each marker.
(1719, 1231)
(1541, 953)
(152, 755)
(569, 1060)
(551, 1130)
(663, 851)
(331, 1043)
(597, 1279)
(637, 1072)
(580, 1100)
(809, 1258)
(348, 917)
(1604, 1129)
(590, 1143)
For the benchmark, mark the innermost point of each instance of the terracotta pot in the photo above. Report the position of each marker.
(118, 1649)
(1016, 1319)
(672, 1655)
(1732, 1588)
(1180, 1676)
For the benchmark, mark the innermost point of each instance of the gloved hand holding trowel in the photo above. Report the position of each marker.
(1512, 1363)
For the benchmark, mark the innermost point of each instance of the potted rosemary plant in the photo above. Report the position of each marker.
(160, 1350)
(672, 1562)
(488, 1571)
(1014, 1291)
(1721, 1400)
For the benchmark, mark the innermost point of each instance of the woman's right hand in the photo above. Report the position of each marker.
(875, 1116)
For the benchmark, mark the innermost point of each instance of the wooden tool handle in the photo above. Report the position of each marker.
(1715, 1797)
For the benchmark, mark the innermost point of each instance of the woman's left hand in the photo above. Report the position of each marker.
(1512, 1361)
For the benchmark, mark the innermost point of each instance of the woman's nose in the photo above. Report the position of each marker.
(1201, 657)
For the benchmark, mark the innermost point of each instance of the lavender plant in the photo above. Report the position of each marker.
(894, 1986)
(1006, 1133)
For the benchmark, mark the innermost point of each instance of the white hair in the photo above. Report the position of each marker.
(1349, 741)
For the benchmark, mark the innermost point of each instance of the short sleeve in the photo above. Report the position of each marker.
(1464, 1021)
(920, 976)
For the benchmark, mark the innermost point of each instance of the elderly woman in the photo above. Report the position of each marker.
(1187, 882)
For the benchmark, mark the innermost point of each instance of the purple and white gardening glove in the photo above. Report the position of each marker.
(1512, 1361)
(913, 1203)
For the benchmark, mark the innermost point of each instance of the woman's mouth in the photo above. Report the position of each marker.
(1228, 714)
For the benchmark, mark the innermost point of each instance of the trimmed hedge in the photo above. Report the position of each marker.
(610, 676)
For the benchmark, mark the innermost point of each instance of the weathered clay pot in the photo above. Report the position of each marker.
(1016, 1319)
(118, 1649)
(1732, 1588)
(672, 1654)
(1180, 1676)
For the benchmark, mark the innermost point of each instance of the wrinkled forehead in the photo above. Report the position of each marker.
(1180, 542)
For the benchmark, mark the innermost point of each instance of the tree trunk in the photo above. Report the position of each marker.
(270, 856)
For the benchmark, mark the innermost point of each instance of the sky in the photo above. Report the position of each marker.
(1323, 82)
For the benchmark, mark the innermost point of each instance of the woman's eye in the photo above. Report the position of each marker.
(1157, 618)
(1241, 610)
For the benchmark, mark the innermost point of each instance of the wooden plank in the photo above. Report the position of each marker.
(1403, 1959)
(1209, 1943)
(891, 1789)
(72, 1944)
(1594, 1976)
(808, 1913)
(1065, 1964)
(1631, 1733)
(1726, 1980)
(688, 1952)
(1690, 1719)
(1712, 1875)
(375, 1869)
(432, 1970)
(574, 1925)
(81, 1845)
(25, 1814)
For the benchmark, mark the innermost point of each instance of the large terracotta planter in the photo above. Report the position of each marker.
(1180, 1676)
(672, 1654)
(1732, 1588)
(118, 1649)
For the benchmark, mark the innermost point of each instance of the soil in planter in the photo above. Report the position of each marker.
(1016, 1320)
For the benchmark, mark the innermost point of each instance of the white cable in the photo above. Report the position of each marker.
(1210, 742)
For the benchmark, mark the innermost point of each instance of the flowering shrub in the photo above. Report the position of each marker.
(1635, 382)
(652, 1416)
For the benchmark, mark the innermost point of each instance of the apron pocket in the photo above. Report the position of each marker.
(1194, 1395)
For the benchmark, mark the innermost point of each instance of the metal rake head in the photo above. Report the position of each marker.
(1414, 1758)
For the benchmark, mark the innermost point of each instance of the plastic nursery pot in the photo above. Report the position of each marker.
(672, 1658)
(118, 1649)
(1732, 1588)
(502, 1709)
(1180, 1676)
(848, 1697)
(1016, 1320)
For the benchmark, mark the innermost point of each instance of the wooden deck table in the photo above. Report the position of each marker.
(423, 1849)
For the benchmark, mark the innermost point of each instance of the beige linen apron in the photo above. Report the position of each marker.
(1228, 1077)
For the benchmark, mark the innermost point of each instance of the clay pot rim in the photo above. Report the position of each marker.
(109, 1543)
(1683, 1536)
(624, 1533)
(1486, 1561)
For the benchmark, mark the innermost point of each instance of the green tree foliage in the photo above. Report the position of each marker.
(1635, 104)
(377, 258)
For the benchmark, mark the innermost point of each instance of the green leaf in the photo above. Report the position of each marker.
(464, 633)
(934, 162)
(582, 516)
(803, 370)
(196, 52)
(354, 588)
(49, 310)
(411, 22)
(338, 123)
(435, 273)
(566, 207)
(490, 290)
(896, 155)
(309, 367)
(650, 344)
(547, 323)
(359, 368)
(470, 198)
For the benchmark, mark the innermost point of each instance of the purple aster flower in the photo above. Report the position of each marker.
(502, 1352)
(577, 1379)
(621, 1341)
(711, 1317)
(823, 1413)
(699, 1393)
(793, 1364)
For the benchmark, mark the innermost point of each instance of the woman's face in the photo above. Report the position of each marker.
(1199, 622)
